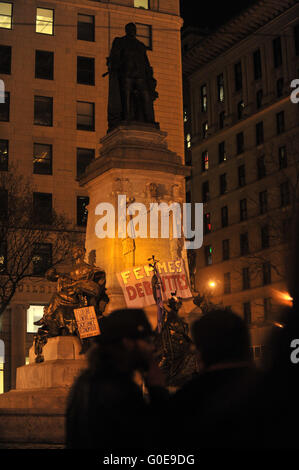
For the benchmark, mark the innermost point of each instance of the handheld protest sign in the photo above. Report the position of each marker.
(87, 322)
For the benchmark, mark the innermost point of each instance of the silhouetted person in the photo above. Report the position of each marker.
(106, 407)
(209, 410)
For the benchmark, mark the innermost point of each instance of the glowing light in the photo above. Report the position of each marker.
(283, 297)
(212, 284)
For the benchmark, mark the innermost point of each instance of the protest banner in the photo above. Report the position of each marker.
(87, 322)
(137, 288)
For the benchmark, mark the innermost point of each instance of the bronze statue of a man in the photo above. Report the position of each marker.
(132, 87)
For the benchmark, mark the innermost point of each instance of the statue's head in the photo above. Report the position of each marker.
(78, 252)
(131, 29)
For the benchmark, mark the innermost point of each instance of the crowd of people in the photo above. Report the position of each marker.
(230, 403)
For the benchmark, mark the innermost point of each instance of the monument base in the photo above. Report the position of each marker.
(33, 415)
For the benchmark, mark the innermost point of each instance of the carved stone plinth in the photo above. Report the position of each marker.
(33, 415)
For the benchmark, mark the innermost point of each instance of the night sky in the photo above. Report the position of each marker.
(211, 14)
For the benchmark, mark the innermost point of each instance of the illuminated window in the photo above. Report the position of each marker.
(141, 4)
(241, 107)
(208, 255)
(2, 361)
(220, 87)
(205, 128)
(34, 313)
(144, 34)
(3, 155)
(3, 255)
(205, 161)
(188, 141)
(204, 98)
(5, 15)
(282, 157)
(44, 21)
(207, 223)
(42, 159)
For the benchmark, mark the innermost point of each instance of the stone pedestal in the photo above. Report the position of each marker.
(134, 161)
(33, 415)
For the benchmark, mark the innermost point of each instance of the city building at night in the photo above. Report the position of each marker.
(241, 138)
(52, 61)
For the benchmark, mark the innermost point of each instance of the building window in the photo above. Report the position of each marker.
(144, 34)
(282, 157)
(5, 60)
(243, 210)
(34, 313)
(205, 191)
(221, 152)
(241, 176)
(44, 21)
(257, 64)
(188, 196)
(188, 141)
(296, 38)
(261, 167)
(84, 158)
(241, 107)
(225, 249)
(3, 204)
(43, 111)
(226, 283)
(4, 108)
(2, 361)
(286, 230)
(85, 70)
(259, 98)
(205, 128)
(208, 255)
(85, 28)
(141, 4)
(280, 124)
(224, 216)
(42, 159)
(3, 254)
(284, 194)
(277, 52)
(207, 223)
(204, 161)
(267, 308)
(246, 278)
(263, 201)
(266, 270)
(279, 87)
(4, 151)
(265, 237)
(221, 119)
(240, 143)
(238, 76)
(204, 98)
(223, 183)
(247, 312)
(244, 244)
(42, 208)
(82, 212)
(42, 258)
(44, 65)
(220, 88)
(85, 116)
(259, 132)
(5, 15)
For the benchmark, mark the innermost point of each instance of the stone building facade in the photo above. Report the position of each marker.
(241, 138)
(55, 57)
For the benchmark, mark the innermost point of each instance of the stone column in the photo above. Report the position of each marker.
(18, 339)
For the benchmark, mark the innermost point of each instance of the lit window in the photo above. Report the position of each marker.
(188, 141)
(220, 87)
(44, 21)
(42, 159)
(282, 157)
(205, 128)
(141, 4)
(3, 155)
(204, 98)
(207, 223)
(185, 115)
(208, 255)
(3, 256)
(34, 313)
(5, 15)
(205, 161)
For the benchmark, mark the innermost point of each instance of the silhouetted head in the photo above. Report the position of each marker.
(221, 336)
(131, 29)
